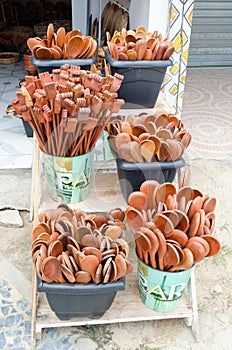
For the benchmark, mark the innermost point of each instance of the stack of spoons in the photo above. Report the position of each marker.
(148, 137)
(173, 229)
(139, 45)
(71, 246)
(62, 45)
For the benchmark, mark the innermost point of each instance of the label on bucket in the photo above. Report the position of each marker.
(69, 178)
(161, 290)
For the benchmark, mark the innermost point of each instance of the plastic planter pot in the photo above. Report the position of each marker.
(161, 291)
(49, 65)
(132, 175)
(27, 128)
(142, 80)
(80, 300)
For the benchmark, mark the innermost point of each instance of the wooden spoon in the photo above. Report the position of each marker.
(197, 249)
(60, 37)
(83, 277)
(137, 200)
(186, 263)
(148, 187)
(50, 33)
(135, 151)
(55, 248)
(171, 258)
(162, 247)
(90, 263)
(75, 46)
(180, 237)
(120, 266)
(163, 152)
(51, 268)
(68, 274)
(164, 224)
(121, 139)
(164, 190)
(154, 245)
(147, 148)
(125, 154)
(214, 244)
(113, 232)
(183, 224)
(135, 218)
(43, 53)
(92, 48)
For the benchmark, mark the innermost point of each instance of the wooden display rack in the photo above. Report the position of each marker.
(127, 306)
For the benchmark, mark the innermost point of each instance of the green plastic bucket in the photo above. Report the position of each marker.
(161, 291)
(68, 178)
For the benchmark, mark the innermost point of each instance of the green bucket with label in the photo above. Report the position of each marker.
(161, 291)
(68, 178)
(108, 155)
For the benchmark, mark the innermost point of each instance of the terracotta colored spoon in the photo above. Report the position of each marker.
(75, 46)
(134, 218)
(180, 237)
(60, 38)
(89, 264)
(147, 148)
(186, 263)
(164, 224)
(83, 277)
(214, 245)
(51, 268)
(171, 258)
(197, 249)
(148, 188)
(43, 53)
(137, 200)
(154, 245)
(135, 151)
(120, 266)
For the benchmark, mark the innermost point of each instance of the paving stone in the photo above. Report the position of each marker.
(10, 218)
(87, 344)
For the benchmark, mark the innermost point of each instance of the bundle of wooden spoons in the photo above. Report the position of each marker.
(69, 108)
(62, 45)
(139, 45)
(173, 229)
(148, 137)
(71, 246)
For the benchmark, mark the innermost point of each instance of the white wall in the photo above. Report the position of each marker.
(79, 15)
(158, 16)
(139, 13)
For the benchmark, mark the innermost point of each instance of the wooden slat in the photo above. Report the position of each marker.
(199, 36)
(127, 306)
(210, 5)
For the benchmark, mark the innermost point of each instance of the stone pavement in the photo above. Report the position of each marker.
(213, 281)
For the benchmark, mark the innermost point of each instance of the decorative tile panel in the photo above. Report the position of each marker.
(179, 32)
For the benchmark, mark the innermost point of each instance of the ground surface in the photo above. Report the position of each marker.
(213, 283)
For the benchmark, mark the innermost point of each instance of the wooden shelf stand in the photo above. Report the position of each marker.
(127, 306)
